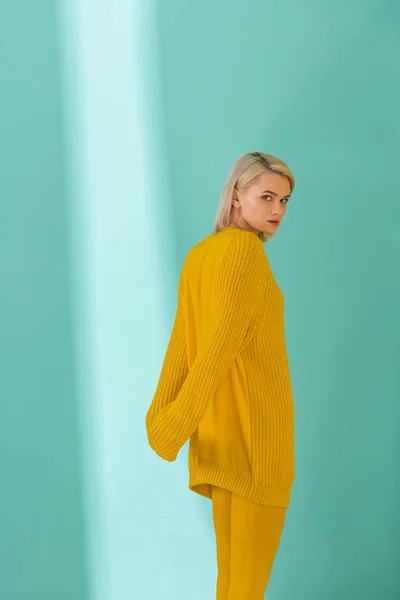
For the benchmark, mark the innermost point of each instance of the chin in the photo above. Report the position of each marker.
(268, 230)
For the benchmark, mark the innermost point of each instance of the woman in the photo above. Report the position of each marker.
(225, 381)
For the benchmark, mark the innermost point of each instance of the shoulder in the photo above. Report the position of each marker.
(244, 248)
(234, 252)
(244, 265)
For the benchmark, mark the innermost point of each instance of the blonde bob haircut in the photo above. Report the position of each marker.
(243, 172)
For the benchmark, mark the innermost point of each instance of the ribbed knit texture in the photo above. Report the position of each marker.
(225, 381)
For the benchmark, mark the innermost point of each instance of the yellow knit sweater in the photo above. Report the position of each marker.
(225, 381)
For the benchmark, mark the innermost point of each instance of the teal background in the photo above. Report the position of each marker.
(42, 531)
(118, 124)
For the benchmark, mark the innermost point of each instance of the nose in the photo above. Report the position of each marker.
(277, 213)
(277, 210)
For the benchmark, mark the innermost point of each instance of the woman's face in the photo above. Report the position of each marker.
(263, 202)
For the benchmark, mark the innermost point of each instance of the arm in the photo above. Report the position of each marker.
(174, 369)
(240, 284)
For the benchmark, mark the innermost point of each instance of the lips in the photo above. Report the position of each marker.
(273, 221)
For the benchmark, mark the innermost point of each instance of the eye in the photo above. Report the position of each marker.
(265, 196)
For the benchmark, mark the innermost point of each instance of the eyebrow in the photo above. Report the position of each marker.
(273, 193)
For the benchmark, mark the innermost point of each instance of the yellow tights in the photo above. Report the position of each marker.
(247, 539)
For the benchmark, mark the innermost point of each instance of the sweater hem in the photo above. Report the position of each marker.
(206, 472)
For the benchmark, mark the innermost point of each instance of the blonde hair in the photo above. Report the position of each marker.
(243, 172)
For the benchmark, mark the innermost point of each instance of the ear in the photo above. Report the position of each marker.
(235, 197)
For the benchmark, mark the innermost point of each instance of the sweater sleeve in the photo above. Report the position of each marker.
(175, 366)
(241, 280)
